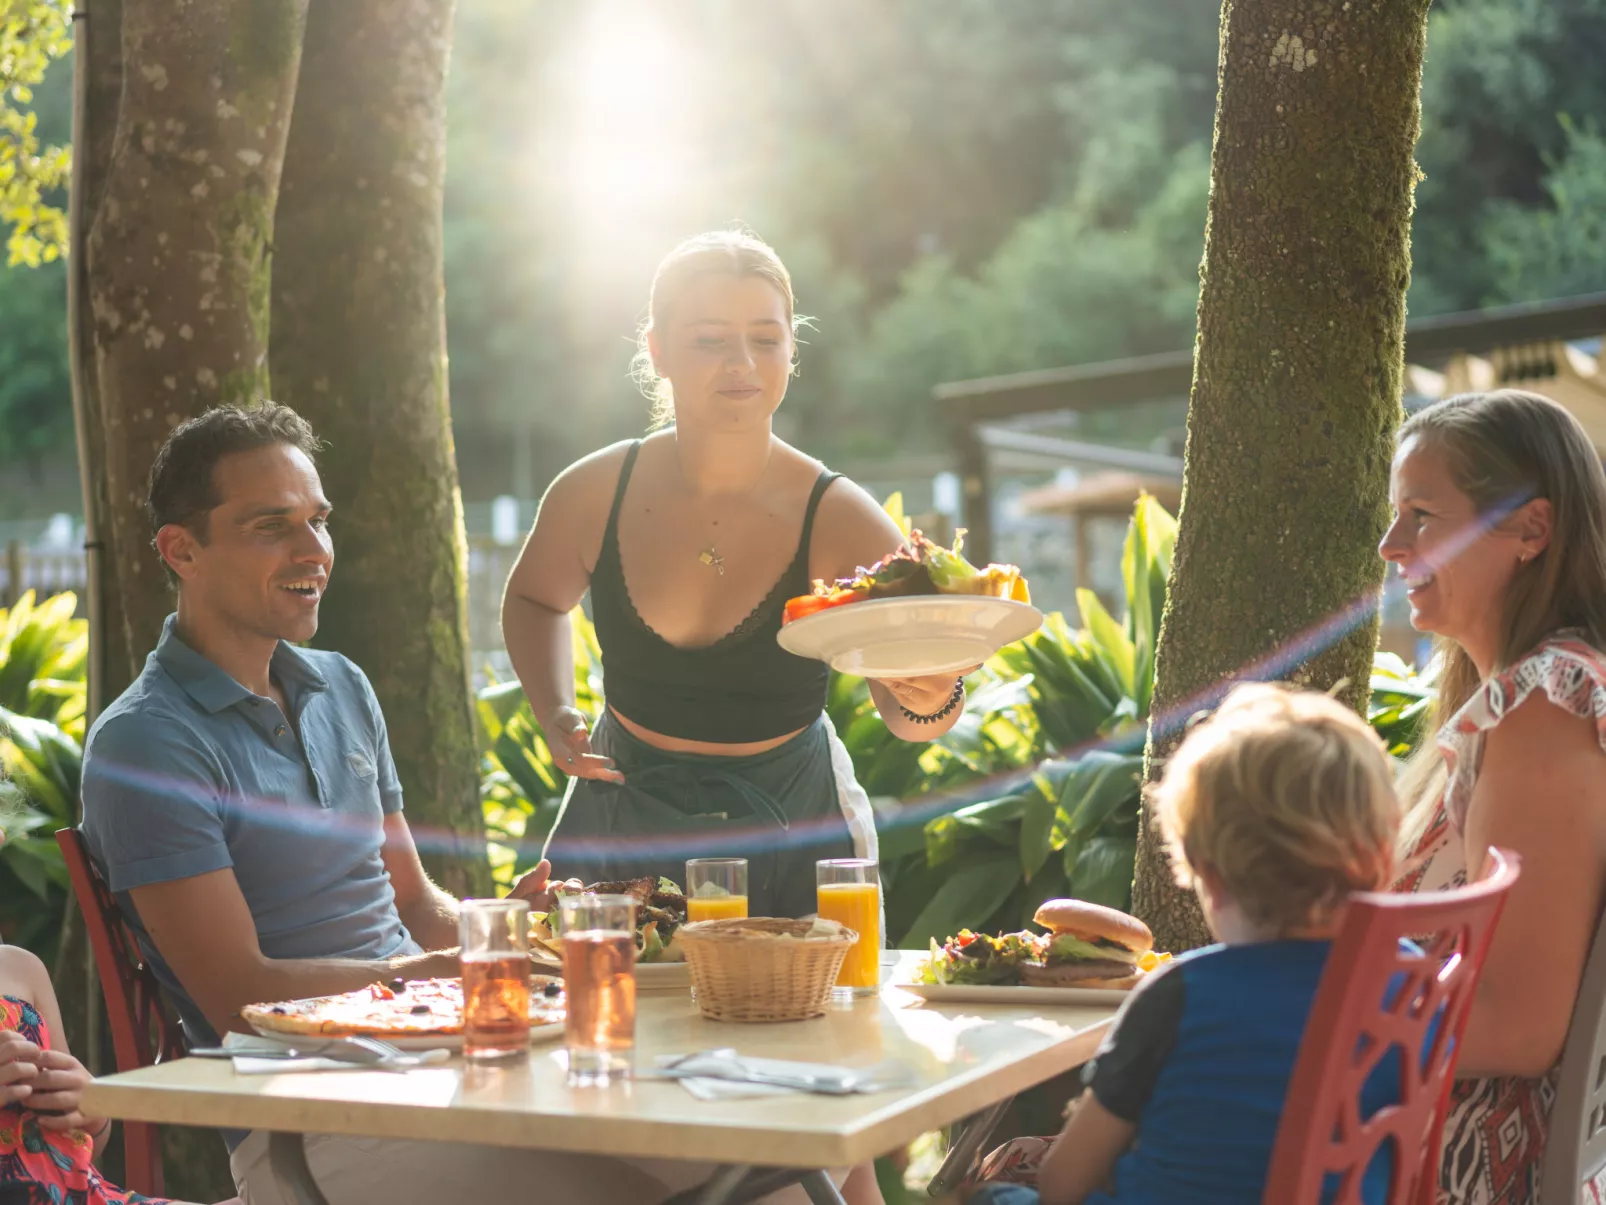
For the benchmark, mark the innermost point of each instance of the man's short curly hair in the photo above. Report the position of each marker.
(1287, 798)
(183, 481)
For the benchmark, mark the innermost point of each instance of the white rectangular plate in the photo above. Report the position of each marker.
(968, 993)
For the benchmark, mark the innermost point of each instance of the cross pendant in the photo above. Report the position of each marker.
(713, 560)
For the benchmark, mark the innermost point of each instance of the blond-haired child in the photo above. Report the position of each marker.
(1274, 810)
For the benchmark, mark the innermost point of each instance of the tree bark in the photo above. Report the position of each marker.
(98, 85)
(1296, 389)
(359, 349)
(177, 259)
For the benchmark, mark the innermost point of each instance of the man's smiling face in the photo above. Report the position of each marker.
(262, 556)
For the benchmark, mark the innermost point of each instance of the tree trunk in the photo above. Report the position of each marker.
(1296, 389)
(177, 259)
(359, 349)
(97, 85)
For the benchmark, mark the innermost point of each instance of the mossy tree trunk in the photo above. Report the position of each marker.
(177, 259)
(1296, 388)
(359, 349)
(98, 83)
(182, 130)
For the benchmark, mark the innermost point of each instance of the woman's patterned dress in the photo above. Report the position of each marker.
(1494, 1136)
(40, 1167)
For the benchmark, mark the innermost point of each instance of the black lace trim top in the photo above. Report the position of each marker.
(743, 687)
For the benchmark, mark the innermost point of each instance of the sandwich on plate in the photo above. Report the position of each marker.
(921, 567)
(1089, 945)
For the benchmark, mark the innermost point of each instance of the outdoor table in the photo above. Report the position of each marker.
(969, 1059)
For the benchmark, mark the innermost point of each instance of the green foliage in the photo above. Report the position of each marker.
(521, 787)
(1400, 703)
(1556, 250)
(33, 33)
(1498, 75)
(959, 188)
(43, 650)
(42, 665)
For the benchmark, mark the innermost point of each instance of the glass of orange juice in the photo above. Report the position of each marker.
(716, 888)
(849, 890)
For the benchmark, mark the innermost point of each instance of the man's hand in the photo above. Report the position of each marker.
(538, 890)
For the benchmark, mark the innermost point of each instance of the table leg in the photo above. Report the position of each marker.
(287, 1156)
(739, 1185)
(821, 1190)
(723, 1185)
(967, 1144)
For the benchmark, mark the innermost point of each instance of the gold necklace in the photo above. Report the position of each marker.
(710, 557)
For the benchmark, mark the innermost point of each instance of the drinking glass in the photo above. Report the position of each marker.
(495, 940)
(716, 888)
(598, 933)
(849, 890)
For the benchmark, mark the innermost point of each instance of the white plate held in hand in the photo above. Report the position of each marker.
(912, 636)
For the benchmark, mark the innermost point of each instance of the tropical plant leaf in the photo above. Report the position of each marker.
(1103, 872)
(1036, 832)
(1111, 640)
(1105, 785)
(967, 899)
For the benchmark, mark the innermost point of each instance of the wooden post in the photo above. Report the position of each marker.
(16, 562)
(976, 494)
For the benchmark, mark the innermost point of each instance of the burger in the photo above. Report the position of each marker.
(1088, 945)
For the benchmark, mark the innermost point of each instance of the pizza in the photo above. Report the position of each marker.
(413, 1008)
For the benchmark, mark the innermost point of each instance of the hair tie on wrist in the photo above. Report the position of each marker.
(954, 700)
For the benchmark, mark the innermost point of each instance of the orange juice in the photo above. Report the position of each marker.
(715, 907)
(858, 906)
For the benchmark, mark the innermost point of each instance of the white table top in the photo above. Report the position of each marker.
(967, 1056)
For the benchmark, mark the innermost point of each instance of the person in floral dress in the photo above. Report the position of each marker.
(47, 1143)
(1499, 530)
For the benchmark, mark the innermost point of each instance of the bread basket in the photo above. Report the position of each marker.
(764, 968)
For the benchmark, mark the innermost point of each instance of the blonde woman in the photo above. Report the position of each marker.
(1500, 533)
(714, 740)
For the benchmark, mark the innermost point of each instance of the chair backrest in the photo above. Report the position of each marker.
(1377, 997)
(1575, 1148)
(142, 1031)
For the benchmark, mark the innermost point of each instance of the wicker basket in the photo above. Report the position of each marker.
(764, 969)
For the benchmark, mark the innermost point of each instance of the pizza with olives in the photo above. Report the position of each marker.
(412, 1008)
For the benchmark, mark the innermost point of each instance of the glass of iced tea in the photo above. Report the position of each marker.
(598, 933)
(849, 890)
(716, 888)
(495, 940)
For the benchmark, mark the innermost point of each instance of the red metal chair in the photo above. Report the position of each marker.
(142, 1031)
(1361, 1012)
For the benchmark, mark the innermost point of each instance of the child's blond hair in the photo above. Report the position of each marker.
(1287, 799)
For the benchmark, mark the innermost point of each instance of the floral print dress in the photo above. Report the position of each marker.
(1494, 1136)
(50, 1168)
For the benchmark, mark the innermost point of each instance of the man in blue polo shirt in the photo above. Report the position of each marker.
(241, 801)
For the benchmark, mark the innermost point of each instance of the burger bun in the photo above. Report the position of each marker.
(1092, 922)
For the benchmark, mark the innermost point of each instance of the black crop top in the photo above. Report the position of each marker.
(743, 687)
